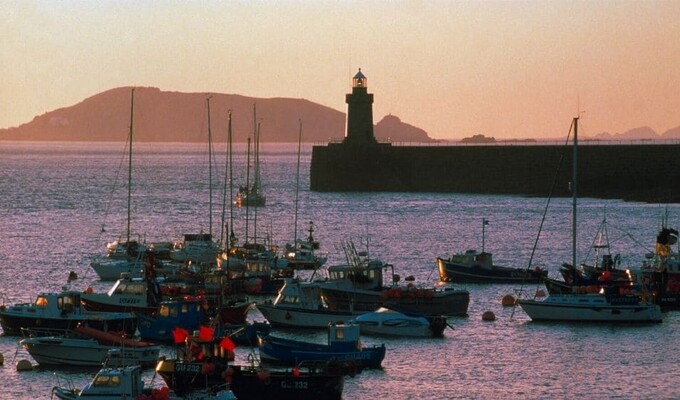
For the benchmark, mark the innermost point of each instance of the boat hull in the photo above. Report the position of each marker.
(252, 383)
(449, 302)
(87, 352)
(386, 322)
(12, 323)
(590, 308)
(460, 273)
(299, 318)
(291, 352)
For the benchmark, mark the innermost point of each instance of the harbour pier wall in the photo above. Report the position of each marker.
(633, 172)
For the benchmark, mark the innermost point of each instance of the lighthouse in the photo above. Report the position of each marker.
(359, 113)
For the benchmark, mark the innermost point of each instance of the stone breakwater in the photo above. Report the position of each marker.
(633, 172)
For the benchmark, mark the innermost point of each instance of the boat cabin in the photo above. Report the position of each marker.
(368, 276)
(55, 303)
(473, 258)
(343, 335)
(300, 295)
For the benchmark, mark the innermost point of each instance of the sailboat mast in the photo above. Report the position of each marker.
(224, 190)
(247, 186)
(297, 181)
(132, 109)
(256, 185)
(574, 194)
(232, 236)
(209, 170)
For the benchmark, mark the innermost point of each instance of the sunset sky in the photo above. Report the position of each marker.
(508, 69)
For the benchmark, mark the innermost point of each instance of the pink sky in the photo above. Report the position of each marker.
(508, 69)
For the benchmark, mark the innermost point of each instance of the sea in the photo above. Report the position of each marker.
(62, 202)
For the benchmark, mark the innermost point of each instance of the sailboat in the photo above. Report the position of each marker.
(200, 248)
(127, 255)
(252, 196)
(604, 305)
(300, 254)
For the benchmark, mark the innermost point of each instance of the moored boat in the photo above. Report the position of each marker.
(476, 267)
(299, 305)
(343, 344)
(88, 352)
(358, 287)
(604, 305)
(61, 311)
(109, 383)
(187, 314)
(389, 322)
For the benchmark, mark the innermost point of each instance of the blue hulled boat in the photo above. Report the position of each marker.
(343, 345)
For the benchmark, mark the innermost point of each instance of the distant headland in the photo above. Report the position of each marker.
(162, 116)
(167, 116)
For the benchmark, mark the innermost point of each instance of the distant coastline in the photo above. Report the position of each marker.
(163, 116)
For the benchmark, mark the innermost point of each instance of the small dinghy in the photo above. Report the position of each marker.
(390, 322)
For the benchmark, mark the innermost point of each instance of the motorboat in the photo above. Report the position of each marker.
(299, 305)
(127, 294)
(343, 344)
(84, 346)
(389, 322)
(62, 311)
(478, 267)
(253, 380)
(109, 383)
(358, 287)
(87, 352)
(473, 266)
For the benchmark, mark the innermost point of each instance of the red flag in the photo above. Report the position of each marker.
(179, 335)
(206, 334)
(227, 344)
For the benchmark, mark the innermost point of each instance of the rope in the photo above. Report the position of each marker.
(545, 212)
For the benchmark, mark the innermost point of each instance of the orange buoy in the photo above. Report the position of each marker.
(488, 316)
(508, 300)
(24, 365)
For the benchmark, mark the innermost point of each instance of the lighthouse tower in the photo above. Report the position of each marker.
(359, 113)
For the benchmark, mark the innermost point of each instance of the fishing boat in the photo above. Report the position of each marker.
(302, 253)
(254, 381)
(475, 267)
(299, 305)
(660, 272)
(478, 267)
(127, 294)
(358, 287)
(90, 347)
(61, 311)
(342, 344)
(606, 304)
(389, 322)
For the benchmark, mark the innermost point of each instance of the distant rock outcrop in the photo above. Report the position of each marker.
(161, 116)
(391, 129)
(478, 139)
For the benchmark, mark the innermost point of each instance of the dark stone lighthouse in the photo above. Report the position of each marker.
(359, 113)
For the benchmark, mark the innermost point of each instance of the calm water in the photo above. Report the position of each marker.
(55, 198)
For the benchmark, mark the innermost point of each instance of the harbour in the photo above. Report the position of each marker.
(57, 197)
